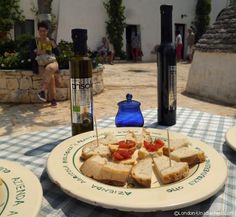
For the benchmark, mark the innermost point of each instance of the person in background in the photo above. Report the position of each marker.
(179, 45)
(135, 46)
(104, 50)
(190, 42)
(155, 49)
(39, 46)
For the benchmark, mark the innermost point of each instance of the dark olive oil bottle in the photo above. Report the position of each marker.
(166, 71)
(81, 84)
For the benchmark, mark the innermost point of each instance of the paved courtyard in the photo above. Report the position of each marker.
(139, 79)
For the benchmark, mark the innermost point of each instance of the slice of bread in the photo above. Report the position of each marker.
(167, 174)
(92, 166)
(99, 168)
(143, 153)
(175, 144)
(113, 147)
(146, 135)
(108, 139)
(92, 149)
(142, 172)
(189, 155)
(114, 173)
(131, 136)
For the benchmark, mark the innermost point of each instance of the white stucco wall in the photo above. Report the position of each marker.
(212, 75)
(90, 14)
(26, 6)
(217, 6)
(138, 12)
(147, 15)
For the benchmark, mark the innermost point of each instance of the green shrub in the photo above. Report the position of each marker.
(16, 54)
(9, 61)
(10, 12)
(7, 46)
(123, 55)
(66, 52)
(115, 24)
(202, 19)
(23, 49)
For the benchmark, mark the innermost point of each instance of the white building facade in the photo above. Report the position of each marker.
(142, 15)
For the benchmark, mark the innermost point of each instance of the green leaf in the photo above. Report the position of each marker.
(115, 24)
(10, 13)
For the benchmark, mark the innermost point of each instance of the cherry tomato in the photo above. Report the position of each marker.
(152, 147)
(117, 156)
(131, 143)
(126, 144)
(147, 145)
(122, 154)
(125, 153)
(122, 144)
(159, 143)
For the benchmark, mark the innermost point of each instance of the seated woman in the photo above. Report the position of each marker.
(40, 46)
(104, 51)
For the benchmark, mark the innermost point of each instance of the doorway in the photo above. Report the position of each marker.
(129, 30)
(181, 28)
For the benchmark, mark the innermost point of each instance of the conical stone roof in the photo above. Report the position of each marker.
(221, 36)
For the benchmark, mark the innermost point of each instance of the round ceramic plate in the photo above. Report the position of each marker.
(204, 179)
(21, 192)
(231, 137)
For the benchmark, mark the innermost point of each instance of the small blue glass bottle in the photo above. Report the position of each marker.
(129, 113)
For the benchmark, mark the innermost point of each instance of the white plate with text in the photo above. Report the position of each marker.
(203, 181)
(20, 191)
(231, 137)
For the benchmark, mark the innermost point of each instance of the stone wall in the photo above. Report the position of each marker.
(20, 86)
(212, 75)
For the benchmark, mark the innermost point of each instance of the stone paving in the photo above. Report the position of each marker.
(140, 79)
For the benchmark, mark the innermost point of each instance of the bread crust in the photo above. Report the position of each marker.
(167, 174)
(113, 182)
(92, 166)
(145, 182)
(175, 176)
(114, 175)
(192, 160)
(181, 143)
(92, 149)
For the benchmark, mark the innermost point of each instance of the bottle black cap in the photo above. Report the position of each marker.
(79, 37)
(79, 34)
(166, 23)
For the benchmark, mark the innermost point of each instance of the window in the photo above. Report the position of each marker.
(26, 27)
